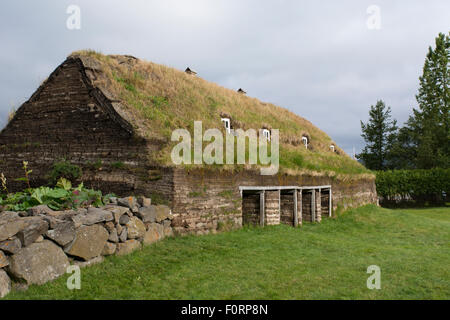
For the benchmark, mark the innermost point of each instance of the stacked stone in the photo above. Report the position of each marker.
(306, 206)
(287, 209)
(318, 211)
(272, 208)
(217, 202)
(325, 204)
(299, 207)
(37, 246)
(251, 209)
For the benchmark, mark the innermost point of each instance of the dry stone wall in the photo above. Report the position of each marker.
(37, 246)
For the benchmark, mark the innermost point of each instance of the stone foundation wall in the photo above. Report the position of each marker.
(205, 201)
(209, 200)
(156, 183)
(39, 245)
(354, 194)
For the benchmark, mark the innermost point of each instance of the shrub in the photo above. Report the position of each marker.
(64, 169)
(418, 185)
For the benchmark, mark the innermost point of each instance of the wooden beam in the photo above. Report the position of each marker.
(260, 188)
(313, 206)
(295, 209)
(330, 208)
(279, 205)
(262, 208)
(301, 204)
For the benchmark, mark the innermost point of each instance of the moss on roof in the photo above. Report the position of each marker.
(157, 99)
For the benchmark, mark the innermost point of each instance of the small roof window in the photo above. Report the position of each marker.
(227, 124)
(190, 71)
(332, 148)
(305, 141)
(266, 133)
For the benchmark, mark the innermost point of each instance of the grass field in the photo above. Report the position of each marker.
(318, 261)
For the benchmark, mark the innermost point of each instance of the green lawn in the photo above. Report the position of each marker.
(318, 261)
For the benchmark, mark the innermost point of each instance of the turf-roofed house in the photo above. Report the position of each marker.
(113, 116)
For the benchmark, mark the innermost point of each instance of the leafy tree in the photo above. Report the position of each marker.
(379, 134)
(429, 125)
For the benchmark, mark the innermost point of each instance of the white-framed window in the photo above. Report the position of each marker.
(266, 133)
(227, 123)
(332, 148)
(305, 141)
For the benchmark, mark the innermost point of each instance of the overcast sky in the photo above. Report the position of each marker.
(317, 58)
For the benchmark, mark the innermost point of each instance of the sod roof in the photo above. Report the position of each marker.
(156, 99)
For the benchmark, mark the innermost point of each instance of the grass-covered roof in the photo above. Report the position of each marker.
(157, 99)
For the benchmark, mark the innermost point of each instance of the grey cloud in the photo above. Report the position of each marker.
(317, 59)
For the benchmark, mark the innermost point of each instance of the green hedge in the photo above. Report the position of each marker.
(417, 185)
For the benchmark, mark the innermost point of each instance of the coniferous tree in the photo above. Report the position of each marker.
(379, 134)
(403, 152)
(429, 125)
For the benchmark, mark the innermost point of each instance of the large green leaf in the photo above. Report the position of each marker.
(39, 193)
(57, 193)
(65, 184)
